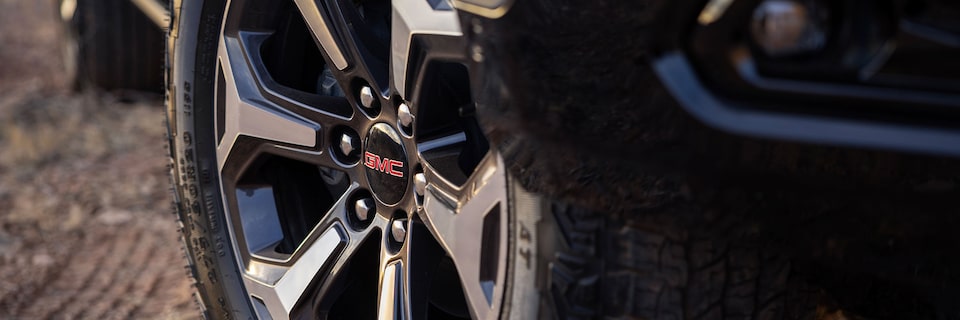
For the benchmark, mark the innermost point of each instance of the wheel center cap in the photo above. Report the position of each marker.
(386, 162)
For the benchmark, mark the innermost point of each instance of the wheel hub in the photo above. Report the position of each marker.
(386, 164)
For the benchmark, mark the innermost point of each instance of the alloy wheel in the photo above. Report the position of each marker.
(355, 179)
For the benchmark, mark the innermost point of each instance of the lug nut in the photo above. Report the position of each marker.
(398, 229)
(364, 208)
(419, 183)
(366, 97)
(347, 144)
(406, 118)
(785, 27)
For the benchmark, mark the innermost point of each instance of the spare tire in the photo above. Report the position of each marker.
(111, 45)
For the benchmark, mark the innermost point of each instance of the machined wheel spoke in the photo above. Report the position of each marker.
(246, 112)
(467, 223)
(249, 109)
(326, 110)
(356, 33)
(441, 142)
(281, 288)
(392, 301)
(411, 18)
(280, 284)
(322, 33)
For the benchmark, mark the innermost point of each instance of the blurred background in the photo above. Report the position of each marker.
(86, 229)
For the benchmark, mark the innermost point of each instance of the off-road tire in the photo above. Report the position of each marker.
(583, 117)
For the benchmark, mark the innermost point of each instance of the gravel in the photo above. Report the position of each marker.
(85, 223)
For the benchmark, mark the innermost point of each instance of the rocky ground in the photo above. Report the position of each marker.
(85, 223)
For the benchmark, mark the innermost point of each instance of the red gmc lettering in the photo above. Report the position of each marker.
(391, 167)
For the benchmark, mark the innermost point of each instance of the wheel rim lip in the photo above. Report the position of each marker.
(413, 155)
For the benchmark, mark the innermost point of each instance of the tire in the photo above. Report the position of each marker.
(513, 230)
(110, 45)
(830, 219)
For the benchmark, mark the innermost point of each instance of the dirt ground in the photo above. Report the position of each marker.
(86, 229)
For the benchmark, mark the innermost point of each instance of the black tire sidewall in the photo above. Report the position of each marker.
(527, 236)
(192, 46)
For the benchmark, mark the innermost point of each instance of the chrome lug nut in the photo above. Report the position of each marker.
(366, 97)
(364, 208)
(398, 229)
(419, 183)
(347, 144)
(403, 113)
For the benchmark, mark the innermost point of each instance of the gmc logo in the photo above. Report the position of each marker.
(391, 167)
